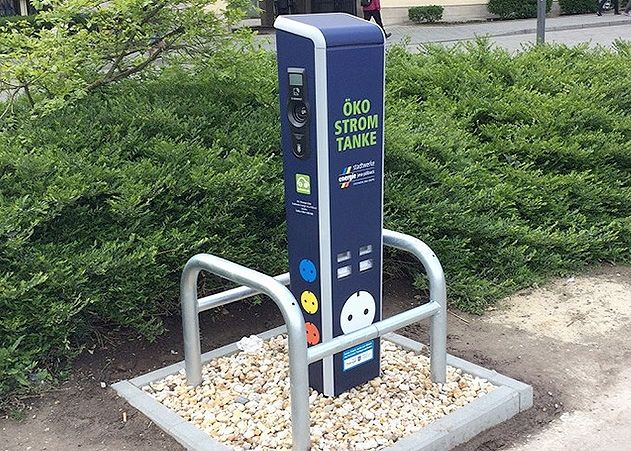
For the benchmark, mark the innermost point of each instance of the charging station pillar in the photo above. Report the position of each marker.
(331, 89)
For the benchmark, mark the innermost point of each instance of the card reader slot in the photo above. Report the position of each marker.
(343, 256)
(365, 250)
(344, 271)
(365, 265)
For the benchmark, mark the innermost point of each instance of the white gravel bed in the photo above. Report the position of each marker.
(243, 401)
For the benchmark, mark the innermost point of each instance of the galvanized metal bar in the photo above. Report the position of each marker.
(234, 294)
(437, 293)
(298, 366)
(406, 318)
(299, 356)
(190, 322)
(375, 330)
(341, 342)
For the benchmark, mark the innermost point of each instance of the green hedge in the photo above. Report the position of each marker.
(101, 205)
(518, 169)
(430, 14)
(516, 9)
(11, 19)
(579, 6)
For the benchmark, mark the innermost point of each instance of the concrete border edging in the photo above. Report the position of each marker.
(523, 390)
(161, 373)
(510, 398)
(185, 433)
(464, 423)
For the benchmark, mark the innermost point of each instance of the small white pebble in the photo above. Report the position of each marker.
(244, 401)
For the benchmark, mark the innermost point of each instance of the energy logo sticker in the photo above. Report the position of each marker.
(346, 172)
(357, 174)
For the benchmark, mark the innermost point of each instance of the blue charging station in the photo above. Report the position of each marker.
(331, 89)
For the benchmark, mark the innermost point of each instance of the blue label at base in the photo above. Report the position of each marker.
(358, 355)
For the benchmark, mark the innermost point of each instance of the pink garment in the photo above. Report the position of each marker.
(374, 6)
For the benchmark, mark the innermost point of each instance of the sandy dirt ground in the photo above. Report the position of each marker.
(583, 327)
(569, 339)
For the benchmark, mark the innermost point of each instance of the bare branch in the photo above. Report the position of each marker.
(9, 103)
(10, 85)
(126, 52)
(27, 91)
(154, 12)
(161, 47)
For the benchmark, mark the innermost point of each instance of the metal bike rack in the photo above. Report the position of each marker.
(300, 356)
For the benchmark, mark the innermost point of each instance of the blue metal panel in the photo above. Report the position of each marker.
(355, 86)
(343, 29)
(350, 92)
(301, 209)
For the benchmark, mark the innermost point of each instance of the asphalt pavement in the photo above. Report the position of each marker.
(512, 35)
(515, 34)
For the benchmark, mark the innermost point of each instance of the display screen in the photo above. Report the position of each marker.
(295, 79)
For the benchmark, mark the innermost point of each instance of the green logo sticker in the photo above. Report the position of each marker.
(303, 184)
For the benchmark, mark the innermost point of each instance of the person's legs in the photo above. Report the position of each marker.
(601, 3)
(616, 6)
(376, 14)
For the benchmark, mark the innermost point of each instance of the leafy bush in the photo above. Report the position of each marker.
(13, 19)
(519, 170)
(101, 205)
(430, 14)
(73, 47)
(516, 9)
(578, 6)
